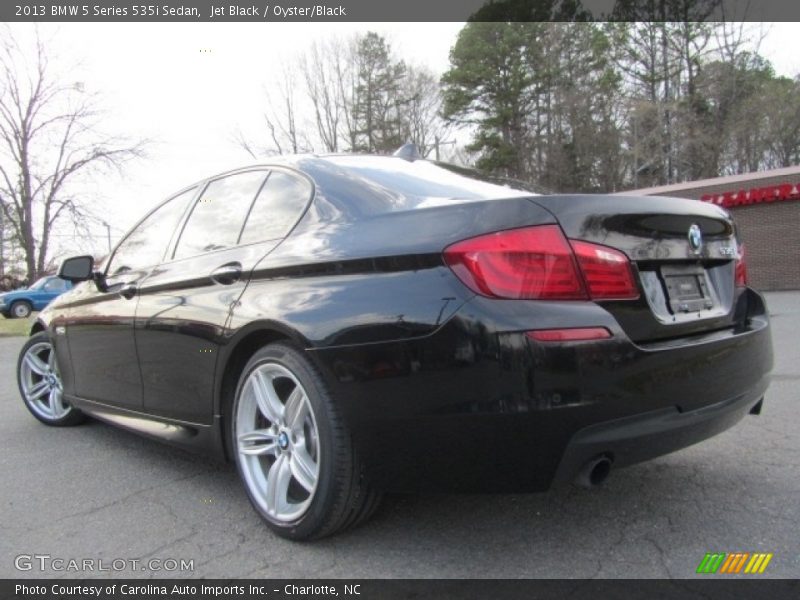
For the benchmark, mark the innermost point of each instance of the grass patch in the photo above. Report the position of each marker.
(15, 327)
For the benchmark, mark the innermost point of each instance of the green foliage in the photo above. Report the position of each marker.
(490, 85)
(578, 106)
(378, 102)
(531, 11)
(540, 96)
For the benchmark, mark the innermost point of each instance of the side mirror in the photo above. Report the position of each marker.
(77, 268)
(81, 268)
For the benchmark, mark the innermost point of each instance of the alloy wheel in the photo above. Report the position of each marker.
(40, 382)
(277, 440)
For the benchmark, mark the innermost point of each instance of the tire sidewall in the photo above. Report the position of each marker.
(324, 496)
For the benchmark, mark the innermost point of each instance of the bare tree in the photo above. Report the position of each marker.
(48, 137)
(280, 118)
(424, 125)
(350, 95)
(324, 68)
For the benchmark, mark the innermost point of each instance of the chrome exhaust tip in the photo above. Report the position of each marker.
(594, 472)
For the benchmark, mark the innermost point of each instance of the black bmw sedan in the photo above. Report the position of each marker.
(341, 326)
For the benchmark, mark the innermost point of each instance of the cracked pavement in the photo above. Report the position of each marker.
(98, 492)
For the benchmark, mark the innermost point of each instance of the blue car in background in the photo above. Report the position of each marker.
(19, 304)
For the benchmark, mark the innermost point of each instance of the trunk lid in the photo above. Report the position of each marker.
(683, 254)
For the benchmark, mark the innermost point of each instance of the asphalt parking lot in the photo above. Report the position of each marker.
(98, 492)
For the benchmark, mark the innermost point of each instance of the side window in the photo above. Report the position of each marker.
(278, 206)
(218, 214)
(55, 285)
(145, 245)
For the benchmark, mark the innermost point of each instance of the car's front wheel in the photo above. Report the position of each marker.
(293, 451)
(39, 381)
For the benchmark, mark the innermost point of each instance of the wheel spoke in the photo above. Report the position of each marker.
(267, 398)
(295, 409)
(278, 479)
(38, 390)
(257, 443)
(56, 405)
(36, 364)
(304, 469)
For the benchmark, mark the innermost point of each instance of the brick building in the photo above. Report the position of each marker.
(766, 208)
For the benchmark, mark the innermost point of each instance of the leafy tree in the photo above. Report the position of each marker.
(378, 102)
(735, 110)
(783, 121)
(584, 89)
(490, 86)
(540, 98)
(573, 106)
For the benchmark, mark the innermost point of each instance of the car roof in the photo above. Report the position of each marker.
(360, 185)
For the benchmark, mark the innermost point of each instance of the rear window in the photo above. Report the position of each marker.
(279, 204)
(424, 183)
(219, 213)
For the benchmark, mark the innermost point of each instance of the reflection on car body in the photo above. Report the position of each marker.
(19, 304)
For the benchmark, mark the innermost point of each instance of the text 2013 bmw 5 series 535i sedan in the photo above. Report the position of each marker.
(340, 326)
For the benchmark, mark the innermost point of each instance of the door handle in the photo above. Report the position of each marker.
(128, 290)
(227, 274)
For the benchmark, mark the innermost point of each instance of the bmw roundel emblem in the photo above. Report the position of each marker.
(695, 237)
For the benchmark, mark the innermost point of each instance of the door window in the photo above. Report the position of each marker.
(218, 214)
(146, 244)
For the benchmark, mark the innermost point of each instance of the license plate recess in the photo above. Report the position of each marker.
(687, 288)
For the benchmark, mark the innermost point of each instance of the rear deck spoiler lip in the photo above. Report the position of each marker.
(645, 204)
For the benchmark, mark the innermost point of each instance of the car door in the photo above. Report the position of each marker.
(185, 303)
(32, 295)
(99, 325)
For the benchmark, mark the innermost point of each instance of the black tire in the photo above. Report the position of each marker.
(342, 497)
(20, 310)
(27, 380)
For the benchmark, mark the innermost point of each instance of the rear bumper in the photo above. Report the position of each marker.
(642, 437)
(478, 406)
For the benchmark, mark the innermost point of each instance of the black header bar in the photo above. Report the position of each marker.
(276, 11)
(372, 589)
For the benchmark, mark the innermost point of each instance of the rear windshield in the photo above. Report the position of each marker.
(424, 183)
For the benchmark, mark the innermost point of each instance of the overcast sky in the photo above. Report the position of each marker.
(157, 84)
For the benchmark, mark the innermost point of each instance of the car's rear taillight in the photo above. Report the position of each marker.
(741, 268)
(534, 263)
(607, 272)
(539, 263)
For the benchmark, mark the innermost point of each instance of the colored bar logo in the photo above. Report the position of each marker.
(734, 563)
